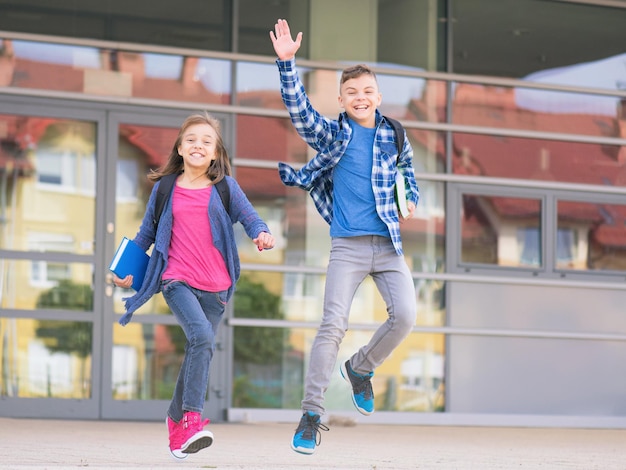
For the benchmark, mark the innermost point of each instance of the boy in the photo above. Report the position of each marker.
(351, 180)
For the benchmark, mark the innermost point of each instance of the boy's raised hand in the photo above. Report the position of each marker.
(284, 45)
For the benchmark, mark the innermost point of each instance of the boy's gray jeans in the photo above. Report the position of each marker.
(351, 260)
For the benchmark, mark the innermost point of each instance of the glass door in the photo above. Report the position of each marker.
(50, 219)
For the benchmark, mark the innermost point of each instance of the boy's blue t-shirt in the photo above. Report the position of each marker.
(354, 206)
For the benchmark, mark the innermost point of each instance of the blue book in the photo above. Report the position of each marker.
(130, 259)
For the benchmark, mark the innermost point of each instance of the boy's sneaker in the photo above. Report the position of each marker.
(192, 435)
(362, 393)
(174, 431)
(308, 434)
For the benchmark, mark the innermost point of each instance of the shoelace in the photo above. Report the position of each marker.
(311, 428)
(197, 424)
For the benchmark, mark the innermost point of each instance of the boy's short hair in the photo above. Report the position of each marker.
(355, 72)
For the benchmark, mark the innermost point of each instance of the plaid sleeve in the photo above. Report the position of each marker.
(315, 129)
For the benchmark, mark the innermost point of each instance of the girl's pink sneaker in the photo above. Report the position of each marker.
(175, 432)
(192, 435)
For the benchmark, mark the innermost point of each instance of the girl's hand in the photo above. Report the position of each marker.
(126, 283)
(265, 241)
(284, 45)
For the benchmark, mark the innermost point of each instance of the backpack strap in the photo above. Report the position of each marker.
(165, 189)
(224, 190)
(399, 131)
(163, 194)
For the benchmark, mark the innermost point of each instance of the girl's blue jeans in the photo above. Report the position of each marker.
(351, 260)
(199, 313)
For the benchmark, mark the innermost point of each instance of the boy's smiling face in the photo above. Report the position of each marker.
(360, 98)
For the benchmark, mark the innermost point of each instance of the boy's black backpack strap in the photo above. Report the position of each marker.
(399, 131)
(165, 189)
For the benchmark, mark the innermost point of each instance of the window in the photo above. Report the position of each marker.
(501, 230)
(591, 236)
(46, 274)
(529, 243)
(127, 178)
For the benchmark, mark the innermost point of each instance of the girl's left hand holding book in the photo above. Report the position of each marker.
(126, 283)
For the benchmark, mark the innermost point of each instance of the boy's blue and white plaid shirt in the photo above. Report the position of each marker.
(330, 138)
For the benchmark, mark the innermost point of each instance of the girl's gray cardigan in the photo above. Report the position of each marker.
(241, 210)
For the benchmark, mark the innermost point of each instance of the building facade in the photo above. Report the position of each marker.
(516, 111)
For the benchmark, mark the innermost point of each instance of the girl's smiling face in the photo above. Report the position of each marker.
(198, 146)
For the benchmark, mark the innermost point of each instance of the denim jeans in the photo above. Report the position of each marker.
(351, 260)
(199, 313)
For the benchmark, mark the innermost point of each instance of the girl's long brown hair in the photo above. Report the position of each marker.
(218, 168)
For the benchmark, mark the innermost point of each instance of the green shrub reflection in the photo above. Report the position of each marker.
(71, 338)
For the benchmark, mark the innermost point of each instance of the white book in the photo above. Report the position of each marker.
(400, 193)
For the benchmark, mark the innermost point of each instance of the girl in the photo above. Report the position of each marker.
(194, 263)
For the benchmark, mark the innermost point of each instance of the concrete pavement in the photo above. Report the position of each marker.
(27, 444)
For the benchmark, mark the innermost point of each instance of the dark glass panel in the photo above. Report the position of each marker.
(257, 18)
(538, 40)
(197, 24)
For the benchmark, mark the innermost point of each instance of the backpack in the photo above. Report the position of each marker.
(165, 189)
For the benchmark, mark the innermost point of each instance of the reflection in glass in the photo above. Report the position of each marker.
(146, 361)
(504, 231)
(412, 98)
(94, 71)
(266, 193)
(45, 283)
(48, 169)
(302, 236)
(539, 160)
(431, 302)
(258, 85)
(423, 236)
(45, 358)
(591, 236)
(429, 151)
(140, 149)
(412, 379)
(304, 301)
(536, 110)
(272, 140)
(155, 304)
(298, 297)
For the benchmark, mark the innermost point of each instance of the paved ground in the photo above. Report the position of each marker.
(91, 445)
